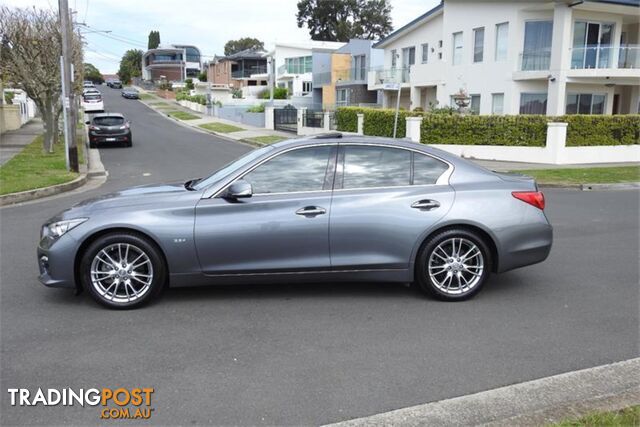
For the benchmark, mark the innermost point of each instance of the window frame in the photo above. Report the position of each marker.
(533, 93)
(479, 98)
(497, 42)
(338, 180)
(593, 95)
(425, 48)
(493, 103)
(453, 48)
(475, 45)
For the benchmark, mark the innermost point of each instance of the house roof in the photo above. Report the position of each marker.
(245, 54)
(411, 25)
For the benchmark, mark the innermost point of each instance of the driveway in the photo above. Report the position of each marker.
(310, 354)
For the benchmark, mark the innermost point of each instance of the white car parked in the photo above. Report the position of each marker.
(92, 102)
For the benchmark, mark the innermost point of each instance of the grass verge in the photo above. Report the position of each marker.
(266, 140)
(608, 175)
(32, 168)
(625, 417)
(147, 96)
(221, 127)
(182, 115)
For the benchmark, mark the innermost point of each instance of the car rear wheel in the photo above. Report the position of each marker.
(122, 270)
(453, 265)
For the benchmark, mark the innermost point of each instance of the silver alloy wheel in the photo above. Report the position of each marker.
(121, 273)
(456, 266)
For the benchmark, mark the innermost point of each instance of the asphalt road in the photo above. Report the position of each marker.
(310, 354)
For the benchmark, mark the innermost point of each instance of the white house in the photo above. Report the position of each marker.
(515, 57)
(294, 64)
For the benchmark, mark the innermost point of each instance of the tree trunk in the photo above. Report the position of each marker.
(49, 123)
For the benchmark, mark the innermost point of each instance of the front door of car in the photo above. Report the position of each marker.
(282, 227)
(384, 200)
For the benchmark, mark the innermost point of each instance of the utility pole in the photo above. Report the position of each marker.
(67, 87)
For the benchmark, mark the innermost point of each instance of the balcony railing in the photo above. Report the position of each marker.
(249, 71)
(589, 57)
(535, 59)
(392, 75)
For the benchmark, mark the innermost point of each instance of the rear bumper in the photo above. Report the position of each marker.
(525, 246)
(109, 139)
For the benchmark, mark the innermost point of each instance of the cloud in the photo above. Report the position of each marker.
(207, 24)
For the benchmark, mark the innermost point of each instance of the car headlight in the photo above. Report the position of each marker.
(57, 229)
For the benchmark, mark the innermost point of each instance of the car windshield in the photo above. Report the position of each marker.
(230, 167)
(108, 121)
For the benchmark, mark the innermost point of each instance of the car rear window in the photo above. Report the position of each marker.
(108, 121)
(92, 96)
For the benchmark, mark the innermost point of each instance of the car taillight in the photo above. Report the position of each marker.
(534, 198)
(125, 126)
(94, 128)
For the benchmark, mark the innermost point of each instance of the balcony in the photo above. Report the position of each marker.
(248, 72)
(378, 79)
(535, 60)
(591, 57)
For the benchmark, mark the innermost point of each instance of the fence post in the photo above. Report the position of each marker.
(360, 123)
(556, 142)
(301, 113)
(268, 117)
(326, 121)
(413, 125)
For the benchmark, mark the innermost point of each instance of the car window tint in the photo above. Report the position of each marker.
(108, 121)
(298, 170)
(91, 96)
(366, 166)
(427, 170)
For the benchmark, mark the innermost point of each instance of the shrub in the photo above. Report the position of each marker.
(521, 130)
(8, 97)
(278, 93)
(377, 122)
(189, 84)
(256, 109)
(347, 119)
(236, 93)
(589, 130)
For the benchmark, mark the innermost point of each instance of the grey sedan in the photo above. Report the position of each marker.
(316, 209)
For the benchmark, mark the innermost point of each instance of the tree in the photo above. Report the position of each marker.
(235, 46)
(92, 73)
(345, 19)
(154, 40)
(30, 51)
(202, 76)
(130, 65)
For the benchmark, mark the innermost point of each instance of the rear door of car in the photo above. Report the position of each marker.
(283, 227)
(385, 198)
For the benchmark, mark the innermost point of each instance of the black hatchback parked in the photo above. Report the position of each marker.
(110, 129)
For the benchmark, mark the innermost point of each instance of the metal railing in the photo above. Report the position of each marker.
(535, 59)
(249, 71)
(313, 119)
(605, 57)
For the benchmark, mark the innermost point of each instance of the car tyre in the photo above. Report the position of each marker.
(137, 284)
(453, 265)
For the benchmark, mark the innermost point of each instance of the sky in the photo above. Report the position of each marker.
(208, 24)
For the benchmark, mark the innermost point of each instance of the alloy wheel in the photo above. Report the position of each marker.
(455, 266)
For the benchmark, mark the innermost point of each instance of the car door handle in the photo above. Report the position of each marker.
(425, 205)
(311, 211)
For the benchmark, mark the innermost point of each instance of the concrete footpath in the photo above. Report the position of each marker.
(532, 403)
(13, 141)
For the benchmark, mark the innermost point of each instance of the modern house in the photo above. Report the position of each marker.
(340, 76)
(242, 69)
(294, 64)
(513, 57)
(174, 63)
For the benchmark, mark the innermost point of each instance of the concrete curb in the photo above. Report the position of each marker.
(534, 402)
(96, 170)
(38, 193)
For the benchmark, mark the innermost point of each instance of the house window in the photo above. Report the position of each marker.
(298, 65)
(408, 56)
(394, 58)
(536, 54)
(425, 53)
(342, 97)
(591, 45)
(307, 87)
(497, 103)
(359, 67)
(533, 103)
(474, 106)
(478, 44)
(457, 49)
(585, 103)
(502, 42)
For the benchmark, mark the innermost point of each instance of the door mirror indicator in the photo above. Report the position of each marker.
(239, 189)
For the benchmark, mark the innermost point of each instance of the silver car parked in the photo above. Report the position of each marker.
(315, 209)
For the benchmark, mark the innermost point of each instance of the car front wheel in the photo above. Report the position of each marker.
(453, 265)
(122, 270)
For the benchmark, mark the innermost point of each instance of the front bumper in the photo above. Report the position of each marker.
(56, 262)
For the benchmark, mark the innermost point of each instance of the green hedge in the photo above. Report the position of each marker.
(520, 130)
(589, 130)
(184, 96)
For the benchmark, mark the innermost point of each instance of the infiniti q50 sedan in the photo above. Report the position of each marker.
(316, 209)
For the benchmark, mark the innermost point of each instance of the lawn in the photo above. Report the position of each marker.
(266, 140)
(32, 168)
(147, 96)
(182, 115)
(625, 417)
(221, 127)
(605, 175)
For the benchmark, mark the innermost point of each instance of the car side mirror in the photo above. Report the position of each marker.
(239, 190)
(88, 122)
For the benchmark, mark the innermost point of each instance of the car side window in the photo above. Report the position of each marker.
(371, 166)
(426, 169)
(302, 169)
